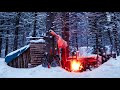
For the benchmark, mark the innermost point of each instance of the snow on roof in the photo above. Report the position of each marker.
(37, 41)
(15, 53)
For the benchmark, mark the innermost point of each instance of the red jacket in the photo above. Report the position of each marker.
(61, 42)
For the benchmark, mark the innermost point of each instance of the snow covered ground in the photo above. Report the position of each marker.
(110, 69)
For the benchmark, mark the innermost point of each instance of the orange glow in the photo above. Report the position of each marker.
(76, 65)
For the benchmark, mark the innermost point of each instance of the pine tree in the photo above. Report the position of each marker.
(97, 21)
(115, 34)
(7, 22)
(0, 41)
(109, 31)
(73, 30)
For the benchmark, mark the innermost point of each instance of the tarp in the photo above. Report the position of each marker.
(11, 56)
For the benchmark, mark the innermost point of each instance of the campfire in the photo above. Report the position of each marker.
(76, 65)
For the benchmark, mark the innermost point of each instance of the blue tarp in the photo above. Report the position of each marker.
(11, 56)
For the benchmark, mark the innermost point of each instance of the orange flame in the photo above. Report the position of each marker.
(76, 65)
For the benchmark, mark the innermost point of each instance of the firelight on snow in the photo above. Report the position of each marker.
(76, 65)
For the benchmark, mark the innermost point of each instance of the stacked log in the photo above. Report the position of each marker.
(21, 61)
(37, 51)
(31, 57)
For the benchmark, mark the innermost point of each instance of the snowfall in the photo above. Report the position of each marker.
(110, 69)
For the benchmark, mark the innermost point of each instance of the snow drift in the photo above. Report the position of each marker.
(110, 69)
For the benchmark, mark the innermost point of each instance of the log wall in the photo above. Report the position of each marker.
(31, 57)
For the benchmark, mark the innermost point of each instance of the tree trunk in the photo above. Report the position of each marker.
(75, 28)
(50, 41)
(0, 42)
(116, 40)
(49, 20)
(7, 40)
(16, 31)
(110, 38)
(49, 25)
(76, 40)
(23, 40)
(35, 22)
(65, 29)
(87, 40)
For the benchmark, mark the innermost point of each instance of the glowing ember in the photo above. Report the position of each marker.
(76, 65)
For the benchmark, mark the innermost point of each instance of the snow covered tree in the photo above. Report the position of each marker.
(58, 23)
(97, 21)
(82, 25)
(1, 32)
(79, 29)
(73, 29)
(115, 33)
(7, 25)
(50, 20)
(108, 35)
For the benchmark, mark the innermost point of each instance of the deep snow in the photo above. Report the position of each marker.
(110, 69)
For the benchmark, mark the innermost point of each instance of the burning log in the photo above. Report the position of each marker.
(76, 66)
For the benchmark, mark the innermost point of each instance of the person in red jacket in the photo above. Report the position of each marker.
(62, 45)
(60, 42)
